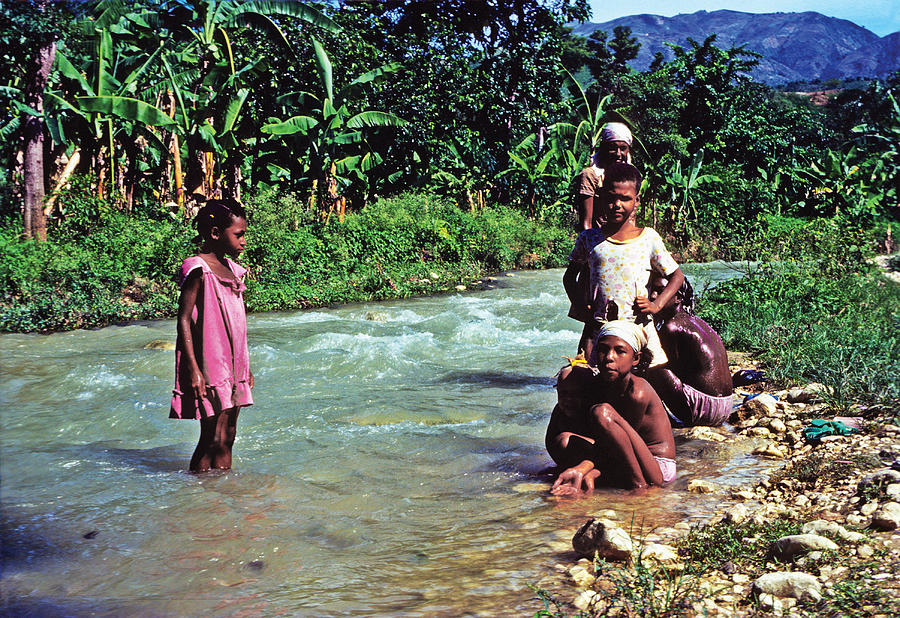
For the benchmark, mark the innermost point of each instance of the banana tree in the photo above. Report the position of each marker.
(327, 141)
(576, 141)
(98, 102)
(680, 185)
(211, 106)
(534, 168)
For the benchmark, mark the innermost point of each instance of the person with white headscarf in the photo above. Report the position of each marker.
(615, 145)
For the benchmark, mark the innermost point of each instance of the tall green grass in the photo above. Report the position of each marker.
(815, 309)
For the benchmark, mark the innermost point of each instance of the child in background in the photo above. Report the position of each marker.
(212, 363)
(610, 425)
(615, 145)
(620, 257)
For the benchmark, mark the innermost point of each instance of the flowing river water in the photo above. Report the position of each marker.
(393, 465)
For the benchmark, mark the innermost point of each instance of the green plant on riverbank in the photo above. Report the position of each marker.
(636, 590)
(122, 268)
(815, 310)
(742, 544)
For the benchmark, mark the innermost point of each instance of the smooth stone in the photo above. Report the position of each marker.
(892, 490)
(821, 527)
(736, 514)
(769, 449)
(865, 551)
(704, 433)
(887, 517)
(461, 288)
(801, 586)
(582, 575)
(603, 537)
(868, 508)
(787, 547)
(586, 600)
(777, 425)
(761, 405)
(758, 432)
(160, 344)
(699, 486)
(659, 553)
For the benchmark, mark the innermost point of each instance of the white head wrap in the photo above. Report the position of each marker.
(615, 132)
(629, 332)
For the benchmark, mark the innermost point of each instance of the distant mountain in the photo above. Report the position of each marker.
(795, 46)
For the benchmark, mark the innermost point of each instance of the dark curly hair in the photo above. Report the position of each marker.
(646, 358)
(216, 213)
(621, 172)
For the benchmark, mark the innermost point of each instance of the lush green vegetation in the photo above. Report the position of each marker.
(816, 310)
(450, 146)
(124, 268)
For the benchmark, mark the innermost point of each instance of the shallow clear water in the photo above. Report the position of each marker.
(392, 465)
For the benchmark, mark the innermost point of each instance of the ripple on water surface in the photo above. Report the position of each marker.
(392, 465)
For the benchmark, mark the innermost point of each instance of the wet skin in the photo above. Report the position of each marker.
(697, 356)
(609, 425)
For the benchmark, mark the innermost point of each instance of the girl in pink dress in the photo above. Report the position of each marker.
(212, 363)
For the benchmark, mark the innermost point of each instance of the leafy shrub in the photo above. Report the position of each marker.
(123, 268)
(817, 311)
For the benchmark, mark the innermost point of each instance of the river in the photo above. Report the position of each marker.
(392, 465)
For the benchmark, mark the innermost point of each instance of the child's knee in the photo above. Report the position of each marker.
(604, 415)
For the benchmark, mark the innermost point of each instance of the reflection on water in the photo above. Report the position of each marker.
(393, 464)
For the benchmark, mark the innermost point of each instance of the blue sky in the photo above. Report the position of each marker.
(880, 16)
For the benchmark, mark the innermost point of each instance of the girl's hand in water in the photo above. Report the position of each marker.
(251, 380)
(570, 481)
(198, 384)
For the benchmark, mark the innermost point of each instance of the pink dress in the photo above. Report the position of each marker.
(219, 331)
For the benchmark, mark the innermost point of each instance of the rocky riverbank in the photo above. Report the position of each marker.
(819, 537)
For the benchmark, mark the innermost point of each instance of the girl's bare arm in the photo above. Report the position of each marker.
(186, 303)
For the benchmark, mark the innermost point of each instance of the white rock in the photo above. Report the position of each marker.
(789, 584)
(699, 486)
(777, 425)
(758, 432)
(820, 526)
(869, 507)
(659, 553)
(887, 517)
(582, 575)
(787, 547)
(736, 514)
(892, 490)
(704, 433)
(865, 551)
(769, 449)
(603, 537)
(761, 405)
(586, 600)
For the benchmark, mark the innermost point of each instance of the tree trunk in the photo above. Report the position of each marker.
(231, 188)
(33, 137)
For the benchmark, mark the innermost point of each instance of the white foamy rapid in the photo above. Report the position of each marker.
(390, 465)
